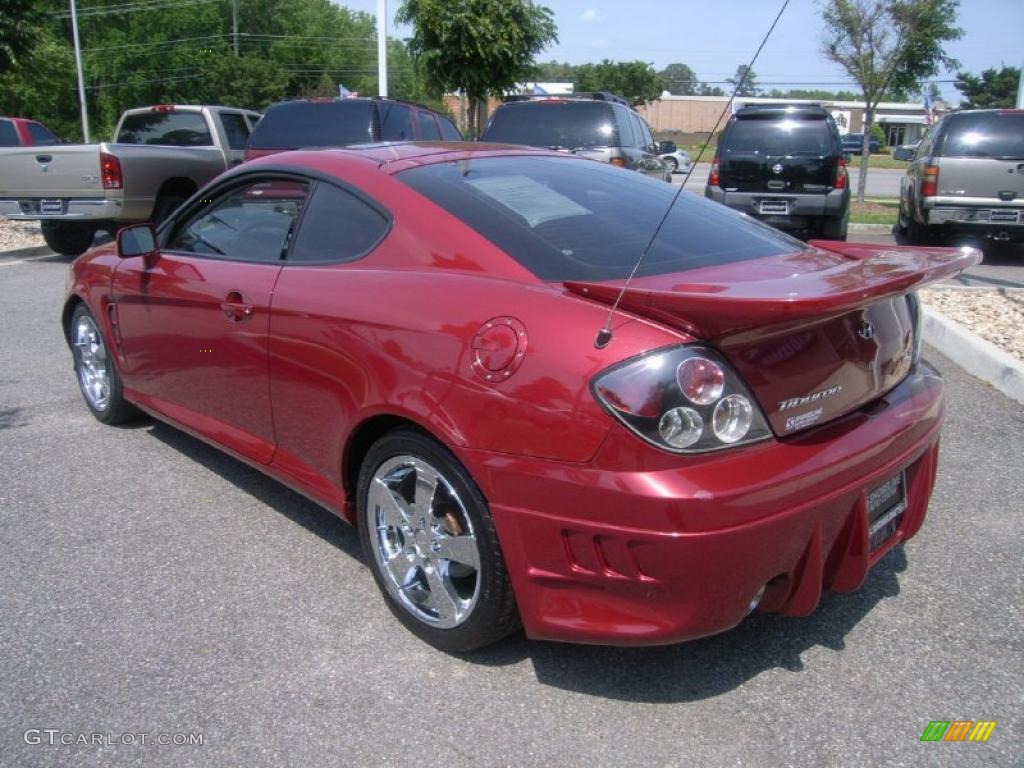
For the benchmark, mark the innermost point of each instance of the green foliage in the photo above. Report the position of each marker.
(555, 72)
(680, 80)
(19, 30)
(995, 88)
(744, 81)
(706, 90)
(814, 94)
(635, 81)
(879, 133)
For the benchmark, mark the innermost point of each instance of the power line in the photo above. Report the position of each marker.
(145, 5)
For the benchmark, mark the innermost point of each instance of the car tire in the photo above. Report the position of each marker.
(414, 503)
(672, 164)
(833, 228)
(68, 238)
(96, 371)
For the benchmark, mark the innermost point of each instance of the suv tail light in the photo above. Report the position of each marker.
(930, 181)
(618, 161)
(682, 399)
(713, 179)
(841, 176)
(110, 171)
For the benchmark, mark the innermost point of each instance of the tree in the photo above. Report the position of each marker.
(481, 47)
(887, 45)
(993, 89)
(19, 29)
(635, 81)
(708, 90)
(555, 72)
(680, 80)
(744, 81)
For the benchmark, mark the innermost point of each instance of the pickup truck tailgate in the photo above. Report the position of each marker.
(57, 171)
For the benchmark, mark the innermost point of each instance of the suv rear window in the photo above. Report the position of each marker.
(297, 124)
(169, 129)
(569, 219)
(565, 124)
(780, 135)
(991, 135)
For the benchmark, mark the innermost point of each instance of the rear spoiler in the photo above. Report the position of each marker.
(710, 310)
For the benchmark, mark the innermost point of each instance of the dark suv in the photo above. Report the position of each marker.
(339, 122)
(784, 164)
(600, 126)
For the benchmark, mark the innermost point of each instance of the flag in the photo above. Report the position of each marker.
(538, 91)
(344, 93)
(929, 109)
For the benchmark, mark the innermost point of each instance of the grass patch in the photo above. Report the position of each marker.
(874, 212)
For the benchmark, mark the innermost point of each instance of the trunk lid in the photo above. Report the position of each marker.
(51, 171)
(997, 182)
(815, 334)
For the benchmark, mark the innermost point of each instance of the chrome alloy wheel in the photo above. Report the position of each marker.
(423, 542)
(93, 375)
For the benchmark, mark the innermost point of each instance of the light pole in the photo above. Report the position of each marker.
(81, 79)
(382, 47)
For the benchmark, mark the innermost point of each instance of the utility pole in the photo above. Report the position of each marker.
(382, 47)
(1020, 88)
(234, 23)
(81, 79)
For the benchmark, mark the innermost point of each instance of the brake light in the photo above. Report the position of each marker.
(162, 108)
(841, 178)
(713, 179)
(618, 161)
(930, 181)
(110, 171)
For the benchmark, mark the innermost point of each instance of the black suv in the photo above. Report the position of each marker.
(339, 122)
(599, 125)
(784, 164)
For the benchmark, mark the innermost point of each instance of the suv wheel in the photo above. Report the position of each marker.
(834, 228)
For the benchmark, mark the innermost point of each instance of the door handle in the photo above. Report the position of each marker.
(236, 307)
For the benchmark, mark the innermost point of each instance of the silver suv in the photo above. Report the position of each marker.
(967, 178)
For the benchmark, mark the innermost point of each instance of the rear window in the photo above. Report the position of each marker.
(314, 124)
(992, 135)
(41, 135)
(562, 124)
(568, 219)
(171, 129)
(8, 134)
(775, 136)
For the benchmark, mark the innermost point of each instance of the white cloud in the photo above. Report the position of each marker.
(591, 15)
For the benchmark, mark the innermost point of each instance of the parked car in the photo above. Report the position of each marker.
(408, 335)
(967, 178)
(306, 123)
(598, 126)
(672, 157)
(20, 132)
(160, 156)
(853, 144)
(784, 165)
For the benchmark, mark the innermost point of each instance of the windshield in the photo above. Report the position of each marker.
(990, 135)
(569, 219)
(778, 137)
(297, 124)
(562, 124)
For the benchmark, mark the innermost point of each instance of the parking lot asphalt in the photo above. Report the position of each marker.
(150, 584)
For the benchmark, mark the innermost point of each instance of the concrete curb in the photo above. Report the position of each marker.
(873, 229)
(978, 357)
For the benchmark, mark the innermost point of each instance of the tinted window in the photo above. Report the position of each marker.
(41, 135)
(314, 124)
(173, 129)
(646, 130)
(777, 136)
(252, 223)
(395, 122)
(625, 126)
(8, 134)
(448, 130)
(337, 226)
(550, 123)
(638, 131)
(566, 219)
(991, 135)
(235, 129)
(427, 126)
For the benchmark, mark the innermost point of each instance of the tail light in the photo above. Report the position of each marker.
(713, 179)
(110, 171)
(162, 108)
(618, 161)
(683, 399)
(930, 181)
(841, 177)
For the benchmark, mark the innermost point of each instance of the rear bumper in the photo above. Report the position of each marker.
(26, 209)
(636, 549)
(979, 219)
(801, 206)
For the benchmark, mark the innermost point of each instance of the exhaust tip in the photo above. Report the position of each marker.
(756, 601)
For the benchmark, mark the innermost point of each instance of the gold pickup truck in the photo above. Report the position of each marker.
(159, 157)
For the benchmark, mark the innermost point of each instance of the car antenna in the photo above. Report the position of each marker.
(604, 336)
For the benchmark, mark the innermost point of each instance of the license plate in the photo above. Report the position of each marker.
(774, 208)
(886, 505)
(51, 206)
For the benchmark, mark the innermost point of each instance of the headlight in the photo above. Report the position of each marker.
(682, 399)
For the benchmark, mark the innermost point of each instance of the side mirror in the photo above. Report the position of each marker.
(903, 153)
(665, 147)
(136, 240)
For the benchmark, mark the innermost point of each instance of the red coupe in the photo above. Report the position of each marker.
(421, 338)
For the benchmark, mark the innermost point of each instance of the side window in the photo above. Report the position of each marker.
(337, 226)
(448, 130)
(235, 129)
(250, 223)
(41, 135)
(638, 131)
(427, 126)
(8, 134)
(623, 126)
(646, 132)
(395, 122)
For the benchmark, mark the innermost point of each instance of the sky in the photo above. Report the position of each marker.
(714, 36)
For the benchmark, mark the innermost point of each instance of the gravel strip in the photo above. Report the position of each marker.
(19, 234)
(994, 314)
